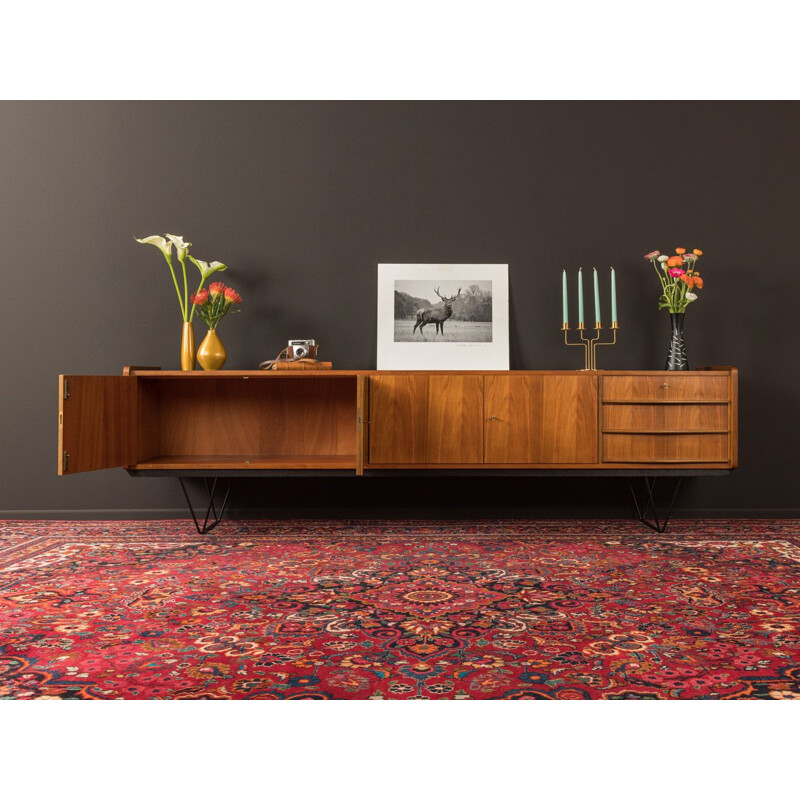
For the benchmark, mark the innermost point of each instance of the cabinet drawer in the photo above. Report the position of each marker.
(665, 448)
(666, 418)
(665, 389)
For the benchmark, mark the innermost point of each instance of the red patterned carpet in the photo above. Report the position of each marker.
(391, 610)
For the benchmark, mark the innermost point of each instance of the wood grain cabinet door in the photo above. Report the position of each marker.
(97, 422)
(426, 419)
(541, 419)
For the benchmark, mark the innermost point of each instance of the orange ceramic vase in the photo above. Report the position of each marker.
(211, 354)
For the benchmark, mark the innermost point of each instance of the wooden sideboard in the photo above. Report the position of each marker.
(364, 422)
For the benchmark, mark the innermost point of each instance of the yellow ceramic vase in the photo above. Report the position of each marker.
(187, 347)
(211, 354)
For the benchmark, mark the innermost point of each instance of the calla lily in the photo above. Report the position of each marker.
(182, 248)
(166, 248)
(180, 245)
(207, 269)
(160, 242)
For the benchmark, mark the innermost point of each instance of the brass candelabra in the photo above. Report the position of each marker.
(590, 344)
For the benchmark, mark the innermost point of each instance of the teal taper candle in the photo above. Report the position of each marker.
(596, 299)
(580, 297)
(564, 296)
(613, 295)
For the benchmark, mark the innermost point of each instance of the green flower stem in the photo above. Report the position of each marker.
(191, 315)
(660, 273)
(177, 290)
(182, 259)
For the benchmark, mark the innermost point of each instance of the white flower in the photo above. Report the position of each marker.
(662, 259)
(691, 297)
(207, 269)
(180, 245)
(160, 242)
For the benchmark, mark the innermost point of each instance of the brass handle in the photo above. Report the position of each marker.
(493, 418)
(665, 386)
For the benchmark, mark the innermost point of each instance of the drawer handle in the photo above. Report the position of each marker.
(665, 386)
(493, 418)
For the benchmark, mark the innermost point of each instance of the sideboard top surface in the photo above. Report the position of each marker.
(343, 373)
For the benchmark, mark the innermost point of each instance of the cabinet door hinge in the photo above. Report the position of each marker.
(66, 388)
(65, 461)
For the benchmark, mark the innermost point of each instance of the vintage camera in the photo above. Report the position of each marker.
(301, 348)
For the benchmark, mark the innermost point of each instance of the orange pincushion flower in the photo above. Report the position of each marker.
(199, 298)
(216, 289)
(697, 252)
(674, 261)
(232, 296)
(680, 250)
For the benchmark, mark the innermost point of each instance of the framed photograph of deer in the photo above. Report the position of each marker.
(443, 316)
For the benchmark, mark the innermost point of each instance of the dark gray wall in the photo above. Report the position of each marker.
(302, 200)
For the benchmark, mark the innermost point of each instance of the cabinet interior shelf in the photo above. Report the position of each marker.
(212, 461)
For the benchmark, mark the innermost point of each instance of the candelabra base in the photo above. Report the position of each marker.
(590, 344)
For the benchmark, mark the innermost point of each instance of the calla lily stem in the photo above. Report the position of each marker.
(185, 306)
(191, 314)
(177, 290)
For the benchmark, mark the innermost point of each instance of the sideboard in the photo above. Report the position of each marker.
(227, 423)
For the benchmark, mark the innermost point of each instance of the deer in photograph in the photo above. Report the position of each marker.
(437, 316)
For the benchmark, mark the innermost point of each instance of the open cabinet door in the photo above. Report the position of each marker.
(362, 422)
(97, 422)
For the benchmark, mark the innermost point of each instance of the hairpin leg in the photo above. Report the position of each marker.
(641, 513)
(211, 509)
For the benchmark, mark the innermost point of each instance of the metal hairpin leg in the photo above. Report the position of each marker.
(641, 513)
(217, 518)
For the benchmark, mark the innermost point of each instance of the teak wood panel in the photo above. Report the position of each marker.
(426, 419)
(362, 429)
(667, 448)
(540, 419)
(665, 418)
(666, 388)
(97, 423)
(277, 418)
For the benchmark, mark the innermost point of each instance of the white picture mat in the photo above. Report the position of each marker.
(443, 355)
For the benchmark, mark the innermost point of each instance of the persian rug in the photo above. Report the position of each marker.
(388, 610)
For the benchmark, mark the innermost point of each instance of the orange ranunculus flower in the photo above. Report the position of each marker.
(688, 280)
(680, 250)
(674, 261)
(698, 282)
(697, 252)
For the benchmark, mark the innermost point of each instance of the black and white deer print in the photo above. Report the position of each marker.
(437, 316)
